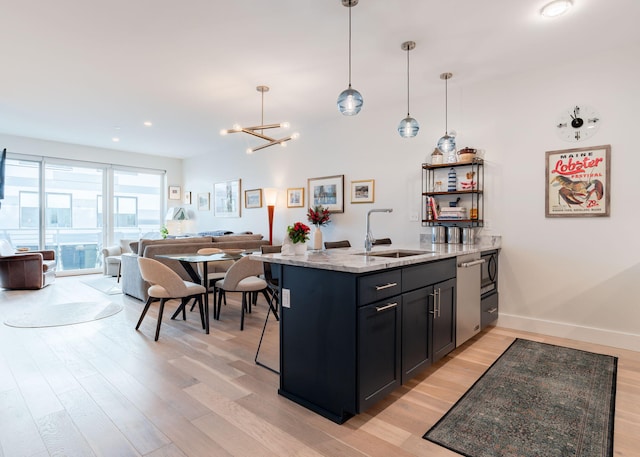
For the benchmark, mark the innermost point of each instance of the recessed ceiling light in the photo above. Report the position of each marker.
(148, 124)
(556, 8)
(115, 139)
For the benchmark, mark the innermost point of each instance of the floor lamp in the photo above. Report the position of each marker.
(270, 197)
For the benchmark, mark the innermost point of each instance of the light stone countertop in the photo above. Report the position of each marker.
(353, 260)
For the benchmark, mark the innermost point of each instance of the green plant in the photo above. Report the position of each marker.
(298, 233)
(164, 231)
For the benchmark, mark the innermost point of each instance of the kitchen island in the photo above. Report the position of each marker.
(354, 327)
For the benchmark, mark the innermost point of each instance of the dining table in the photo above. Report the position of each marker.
(187, 260)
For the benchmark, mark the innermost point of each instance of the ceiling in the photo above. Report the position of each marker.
(84, 72)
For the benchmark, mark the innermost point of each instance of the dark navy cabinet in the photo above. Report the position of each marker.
(348, 340)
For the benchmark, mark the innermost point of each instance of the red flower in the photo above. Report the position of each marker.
(318, 215)
(299, 233)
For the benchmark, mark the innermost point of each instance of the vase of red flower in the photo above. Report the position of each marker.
(299, 234)
(318, 216)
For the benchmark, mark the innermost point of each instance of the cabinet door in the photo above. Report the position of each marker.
(416, 341)
(444, 318)
(378, 350)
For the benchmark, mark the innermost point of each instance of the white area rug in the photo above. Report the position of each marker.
(63, 314)
(106, 285)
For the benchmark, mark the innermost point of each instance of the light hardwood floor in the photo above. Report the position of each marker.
(101, 388)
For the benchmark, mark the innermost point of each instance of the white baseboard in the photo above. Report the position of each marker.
(563, 330)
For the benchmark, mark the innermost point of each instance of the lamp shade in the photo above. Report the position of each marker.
(270, 196)
(177, 214)
(350, 102)
(408, 127)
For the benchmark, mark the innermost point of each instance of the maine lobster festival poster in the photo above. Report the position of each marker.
(578, 182)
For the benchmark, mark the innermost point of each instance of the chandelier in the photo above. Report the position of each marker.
(258, 130)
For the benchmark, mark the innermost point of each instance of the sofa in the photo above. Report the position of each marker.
(131, 279)
(26, 270)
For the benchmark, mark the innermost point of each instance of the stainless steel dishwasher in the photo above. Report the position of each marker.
(468, 312)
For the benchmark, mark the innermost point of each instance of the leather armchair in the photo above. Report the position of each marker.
(31, 270)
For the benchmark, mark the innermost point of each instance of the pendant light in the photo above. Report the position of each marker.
(350, 101)
(447, 143)
(408, 127)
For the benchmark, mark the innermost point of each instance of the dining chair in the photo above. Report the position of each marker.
(337, 244)
(242, 277)
(273, 285)
(167, 285)
(215, 270)
(380, 241)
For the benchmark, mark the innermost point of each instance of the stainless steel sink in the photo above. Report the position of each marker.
(398, 253)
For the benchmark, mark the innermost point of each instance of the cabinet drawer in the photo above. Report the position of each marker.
(378, 286)
(489, 310)
(417, 276)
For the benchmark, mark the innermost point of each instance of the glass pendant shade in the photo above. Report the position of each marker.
(447, 144)
(350, 102)
(408, 127)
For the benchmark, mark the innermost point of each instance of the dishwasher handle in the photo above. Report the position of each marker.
(471, 264)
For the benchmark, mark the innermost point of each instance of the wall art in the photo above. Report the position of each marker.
(253, 198)
(362, 191)
(295, 197)
(226, 199)
(328, 192)
(577, 182)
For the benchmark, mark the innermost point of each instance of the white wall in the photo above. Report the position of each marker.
(574, 277)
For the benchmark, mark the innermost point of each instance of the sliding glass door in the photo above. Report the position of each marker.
(76, 208)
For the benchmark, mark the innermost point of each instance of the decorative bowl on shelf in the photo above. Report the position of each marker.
(466, 155)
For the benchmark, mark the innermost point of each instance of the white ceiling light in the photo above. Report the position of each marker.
(556, 8)
(258, 130)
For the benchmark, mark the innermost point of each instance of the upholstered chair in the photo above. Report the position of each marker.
(166, 285)
(26, 270)
(112, 256)
(242, 277)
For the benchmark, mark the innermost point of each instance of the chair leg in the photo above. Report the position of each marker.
(160, 311)
(199, 299)
(264, 328)
(144, 311)
(221, 295)
(270, 299)
(183, 304)
(244, 305)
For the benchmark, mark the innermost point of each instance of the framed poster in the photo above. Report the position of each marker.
(295, 197)
(362, 191)
(203, 201)
(253, 198)
(328, 192)
(577, 182)
(226, 199)
(186, 199)
(174, 193)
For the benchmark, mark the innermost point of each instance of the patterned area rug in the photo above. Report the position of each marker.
(63, 314)
(536, 400)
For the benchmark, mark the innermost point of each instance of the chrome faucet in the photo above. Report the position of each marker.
(369, 239)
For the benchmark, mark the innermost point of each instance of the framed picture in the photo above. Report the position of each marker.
(186, 199)
(295, 197)
(203, 201)
(362, 191)
(328, 192)
(174, 193)
(253, 198)
(226, 199)
(577, 182)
